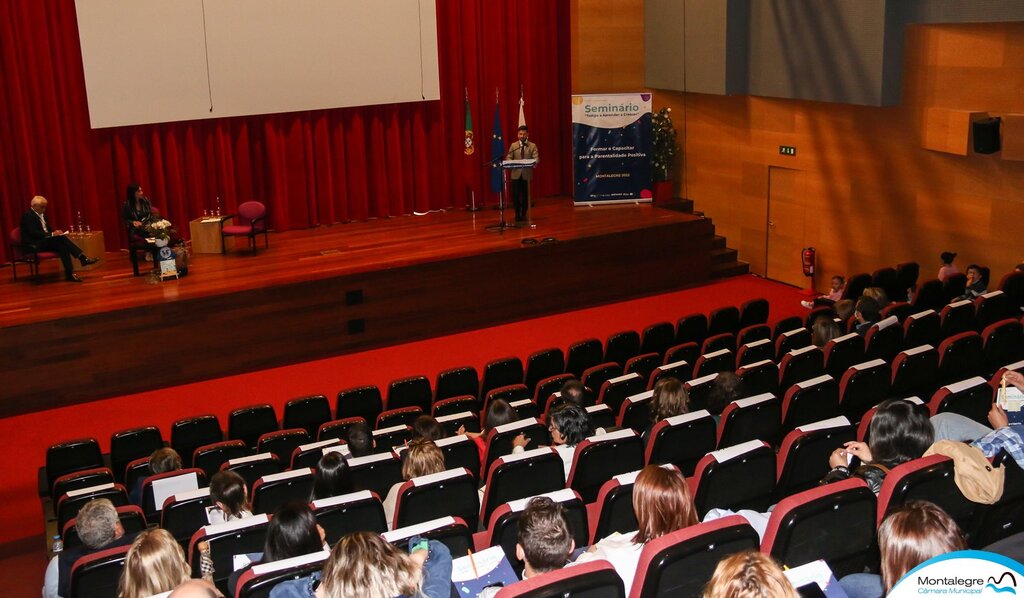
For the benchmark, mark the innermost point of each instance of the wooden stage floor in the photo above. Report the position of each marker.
(327, 291)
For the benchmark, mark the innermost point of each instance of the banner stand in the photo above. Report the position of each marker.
(612, 143)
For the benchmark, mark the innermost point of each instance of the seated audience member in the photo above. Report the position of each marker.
(36, 232)
(293, 531)
(421, 458)
(823, 330)
(948, 268)
(162, 460)
(196, 588)
(364, 565)
(662, 503)
(573, 392)
(569, 426)
(544, 542)
(834, 294)
(1002, 436)
(427, 428)
(726, 388)
(749, 574)
(867, 314)
(98, 528)
(899, 432)
(844, 309)
(137, 211)
(670, 399)
(499, 413)
(360, 440)
(333, 477)
(155, 563)
(879, 295)
(910, 535)
(229, 496)
(977, 282)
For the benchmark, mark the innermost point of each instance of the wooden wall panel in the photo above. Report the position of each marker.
(876, 196)
(607, 45)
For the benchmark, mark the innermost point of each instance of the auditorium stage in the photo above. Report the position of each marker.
(328, 291)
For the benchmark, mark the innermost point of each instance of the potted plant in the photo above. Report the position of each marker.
(665, 148)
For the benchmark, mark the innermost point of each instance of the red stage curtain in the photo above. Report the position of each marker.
(311, 168)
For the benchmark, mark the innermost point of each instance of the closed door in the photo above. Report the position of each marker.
(786, 226)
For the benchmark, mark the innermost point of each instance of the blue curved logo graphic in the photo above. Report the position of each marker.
(997, 584)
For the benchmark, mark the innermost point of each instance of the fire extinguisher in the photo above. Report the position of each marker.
(807, 260)
(807, 257)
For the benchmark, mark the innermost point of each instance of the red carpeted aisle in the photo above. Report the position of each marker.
(23, 439)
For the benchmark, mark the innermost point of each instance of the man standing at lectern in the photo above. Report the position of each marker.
(523, 149)
(36, 231)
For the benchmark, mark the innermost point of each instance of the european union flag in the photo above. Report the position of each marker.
(497, 151)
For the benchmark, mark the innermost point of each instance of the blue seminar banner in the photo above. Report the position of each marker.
(611, 148)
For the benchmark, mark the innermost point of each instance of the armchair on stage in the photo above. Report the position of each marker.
(251, 220)
(25, 253)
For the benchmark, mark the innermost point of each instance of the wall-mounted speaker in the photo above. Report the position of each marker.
(986, 135)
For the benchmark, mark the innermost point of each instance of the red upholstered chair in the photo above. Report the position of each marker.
(754, 312)
(928, 478)
(960, 357)
(1013, 285)
(922, 328)
(251, 220)
(724, 340)
(460, 451)
(22, 253)
(583, 355)
(954, 286)
(681, 563)
(747, 419)
(598, 458)
(362, 401)
(929, 296)
(412, 391)
(715, 362)
(884, 339)
(308, 455)
(657, 338)
(548, 386)
(692, 329)
(522, 475)
(635, 412)
(886, 279)
(337, 428)
(499, 439)
(615, 390)
(254, 467)
(754, 332)
(450, 531)
(403, 416)
(307, 413)
(755, 351)
(760, 377)
(993, 307)
(241, 536)
(855, 286)
(915, 372)
(809, 401)
(796, 338)
(68, 505)
(355, 512)
(540, 365)
(803, 456)
(211, 457)
(601, 416)
(621, 346)
(739, 477)
(724, 319)
(185, 513)
(1002, 343)
(503, 526)
(613, 509)
(699, 390)
(283, 443)
(194, 477)
(456, 382)
(834, 522)
(643, 365)
(131, 517)
(70, 456)
(377, 473)
(863, 386)
(688, 352)
(843, 352)
(502, 372)
(680, 370)
(596, 579)
(594, 377)
(87, 478)
(452, 492)
(98, 574)
(785, 325)
(800, 364)
(907, 274)
(901, 309)
(260, 580)
(272, 491)
(682, 440)
(971, 398)
(957, 317)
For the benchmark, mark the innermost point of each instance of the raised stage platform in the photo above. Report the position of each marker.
(327, 291)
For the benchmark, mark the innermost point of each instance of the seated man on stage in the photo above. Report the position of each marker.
(36, 232)
(523, 149)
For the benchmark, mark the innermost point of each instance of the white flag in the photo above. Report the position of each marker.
(522, 112)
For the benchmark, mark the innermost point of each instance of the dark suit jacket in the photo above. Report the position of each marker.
(142, 214)
(32, 229)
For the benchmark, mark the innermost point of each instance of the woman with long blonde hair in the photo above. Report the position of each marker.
(155, 564)
(749, 574)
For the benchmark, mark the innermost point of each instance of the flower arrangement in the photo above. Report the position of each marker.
(664, 143)
(160, 229)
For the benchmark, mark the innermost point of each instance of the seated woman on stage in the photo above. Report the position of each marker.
(137, 211)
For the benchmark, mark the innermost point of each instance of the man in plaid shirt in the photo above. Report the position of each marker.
(1003, 436)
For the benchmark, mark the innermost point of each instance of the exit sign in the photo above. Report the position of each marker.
(787, 150)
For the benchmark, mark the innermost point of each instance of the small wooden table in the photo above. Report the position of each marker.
(92, 244)
(205, 234)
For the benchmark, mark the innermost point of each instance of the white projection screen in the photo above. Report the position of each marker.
(151, 61)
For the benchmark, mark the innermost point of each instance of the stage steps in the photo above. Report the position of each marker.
(724, 260)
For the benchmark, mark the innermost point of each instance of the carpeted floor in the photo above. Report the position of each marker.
(23, 439)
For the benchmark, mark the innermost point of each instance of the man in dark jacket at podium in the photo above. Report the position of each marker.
(35, 231)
